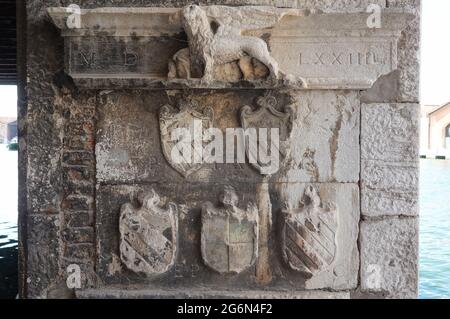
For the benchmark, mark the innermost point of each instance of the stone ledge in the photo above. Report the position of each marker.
(117, 293)
(301, 49)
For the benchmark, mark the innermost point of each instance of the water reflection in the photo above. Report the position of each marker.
(8, 223)
(434, 266)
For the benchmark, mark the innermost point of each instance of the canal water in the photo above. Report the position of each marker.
(434, 277)
(434, 271)
(8, 223)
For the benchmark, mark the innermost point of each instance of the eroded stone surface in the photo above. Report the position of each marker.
(409, 53)
(149, 236)
(389, 188)
(324, 144)
(207, 294)
(390, 132)
(389, 257)
(326, 253)
(389, 151)
(229, 240)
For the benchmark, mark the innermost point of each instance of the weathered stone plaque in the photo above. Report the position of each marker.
(148, 236)
(229, 235)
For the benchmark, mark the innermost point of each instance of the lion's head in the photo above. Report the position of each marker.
(196, 21)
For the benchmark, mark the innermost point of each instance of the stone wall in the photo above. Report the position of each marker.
(94, 163)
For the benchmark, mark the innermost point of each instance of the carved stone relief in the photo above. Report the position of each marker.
(229, 238)
(268, 46)
(188, 116)
(148, 236)
(215, 35)
(318, 233)
(267, 117)
(309, 235)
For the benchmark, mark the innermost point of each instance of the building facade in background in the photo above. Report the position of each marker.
(435, 131)
(8, 129)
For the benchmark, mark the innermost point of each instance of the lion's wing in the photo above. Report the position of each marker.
(248, 17)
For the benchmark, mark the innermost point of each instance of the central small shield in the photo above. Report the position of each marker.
(229, 239)
(171, 119)
(148, 236)
(267, 117)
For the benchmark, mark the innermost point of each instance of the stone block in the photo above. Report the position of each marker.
(389, 257)
(78, 235)
(389, 189)
(389, 152)
(324, 144)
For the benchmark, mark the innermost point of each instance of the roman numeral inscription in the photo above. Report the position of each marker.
(341, 58)
(333, 63)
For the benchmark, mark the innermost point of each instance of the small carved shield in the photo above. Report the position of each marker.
(229, 239)
(171, 119)
(268, 117)
(148, 236)
(309, 235)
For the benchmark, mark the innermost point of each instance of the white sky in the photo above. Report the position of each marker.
(435, 68)
(8, 101)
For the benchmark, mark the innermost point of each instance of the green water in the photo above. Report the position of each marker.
(434, 272)
(8, 223)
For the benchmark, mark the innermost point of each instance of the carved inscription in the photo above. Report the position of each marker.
(308, 235)
(335, 62)
(148, 236)
(229, 239)
(340, 58)
(139, 57)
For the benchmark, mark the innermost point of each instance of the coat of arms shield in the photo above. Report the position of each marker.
(266, 117)
(229, 238)
(194, 121)
(309, 235)
(148, 236)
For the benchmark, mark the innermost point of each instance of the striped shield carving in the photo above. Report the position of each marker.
(309, 235)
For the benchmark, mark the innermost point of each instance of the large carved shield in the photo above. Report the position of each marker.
(229, 239)
(148, 236)
(171, 119)
(266, 116)
(309, 235)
